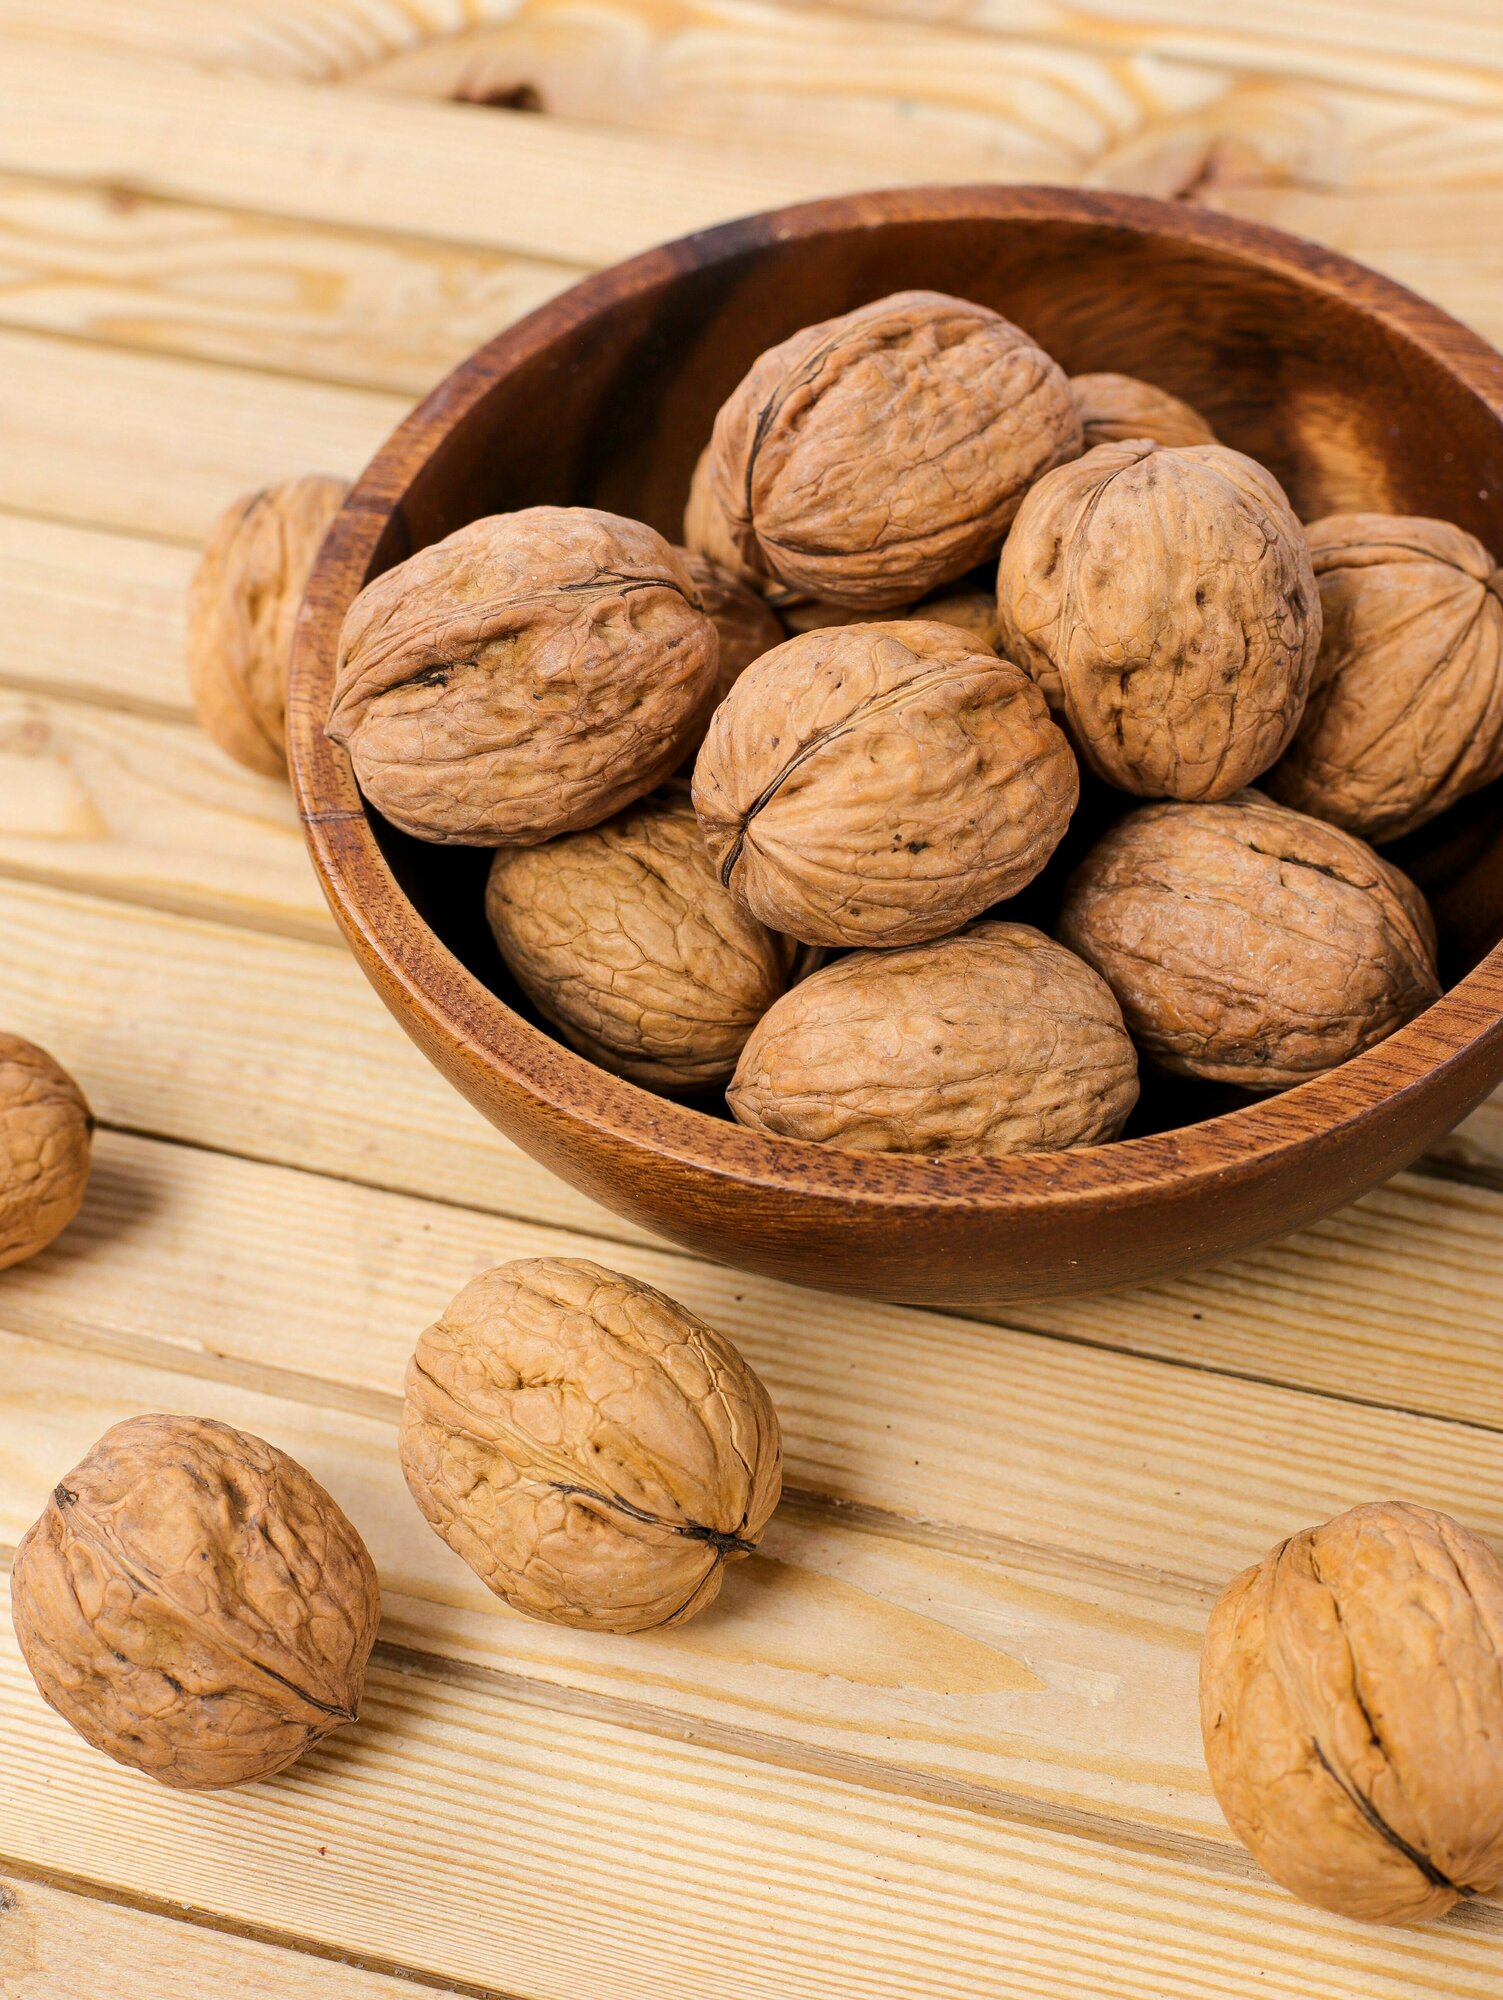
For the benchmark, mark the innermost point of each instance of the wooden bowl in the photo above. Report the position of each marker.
(1355, 392)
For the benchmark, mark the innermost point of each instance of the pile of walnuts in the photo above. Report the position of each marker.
(928, 583)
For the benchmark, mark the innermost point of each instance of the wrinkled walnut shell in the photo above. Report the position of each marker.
(623, 937)
(1114, 408)
(871, 457)
(746, 626)
(592, 1450)
(1249, 944)
(1405, 714)
(242, 609)
(194, 1603)
(45, 1135)
(1351, 1701)
(530, 674)
(1164, 601)
(880, 784)
(1031, 1054)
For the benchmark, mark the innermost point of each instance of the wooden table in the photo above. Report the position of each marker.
(939, 1742)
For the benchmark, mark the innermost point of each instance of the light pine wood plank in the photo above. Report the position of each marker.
(1455, 54)
(272, 1047)
(151, 811)
(145, 444)
(547, 1853)
(93, 614)
(539, 186)
(209, 284)
(317, 1290)
(53, 1941)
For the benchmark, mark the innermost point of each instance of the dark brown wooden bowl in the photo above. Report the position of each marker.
(1355, 392)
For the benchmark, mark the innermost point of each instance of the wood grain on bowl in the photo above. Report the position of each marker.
(1354, 392)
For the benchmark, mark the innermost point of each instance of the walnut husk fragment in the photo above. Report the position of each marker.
(624, 938)
(1351, 1698)
(242, 609)
(195, 1604)
(1116, 407)
(880, 784)
(594, 1451)
(1249, 944)
(530, 674)
(1165, 602)
(869, 458)
(46, 1132)
(1405, 714)
(1030, 1054)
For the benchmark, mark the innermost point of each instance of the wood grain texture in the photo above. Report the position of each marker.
(49, 1935)
(542, 187)
(148, 445)
(94, 615)
(611, 1841)
(332, 305)
(149, 810)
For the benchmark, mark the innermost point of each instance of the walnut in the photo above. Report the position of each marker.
(242, 608)
(592, 1450)
(194, 1603)
(996, 1041)
(1164, 601)
(872, 457)
(1114, 408)
(45, 1133)
(973, 611)
(530, 674)
(623, 937)
(1351, 1701)
(1250, 944)
(879, 784)
(747, 627)
(1406, 708)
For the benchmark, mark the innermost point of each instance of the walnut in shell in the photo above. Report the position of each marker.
(45, 1135)
(194, 1603)
(623, 937)
(973, 611)
(1351, 1701)
(745, 624)
(996, 1041)
(1405, 714)
(1164, 601)
(530, 674)
(1116, 407)
(869, 458)
(594, 1451)
(1249, 944)
(242, 608)
(880, 784)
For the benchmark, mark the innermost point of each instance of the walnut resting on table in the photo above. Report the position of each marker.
(880, 784)
(869, 458)
(1405, 714)
(1351, 1702)
(46, 1133)
(530, 674)
(1165, 603)
(195, 1604)
(623, 937)
(242, 609)
(1249, 944)
(1032, 1055)
(594, 1451)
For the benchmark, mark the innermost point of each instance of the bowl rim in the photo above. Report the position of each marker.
(422, 980)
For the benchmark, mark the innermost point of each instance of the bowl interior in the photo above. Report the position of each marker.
(1282, 349)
